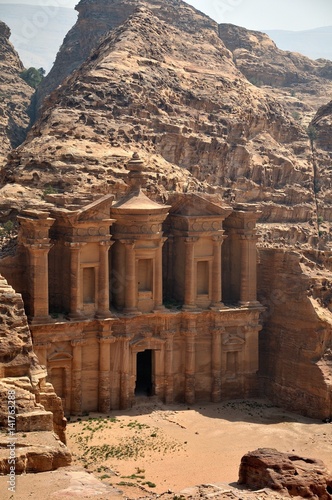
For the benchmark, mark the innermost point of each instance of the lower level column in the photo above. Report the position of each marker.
(76, 383)
(216, 365)
(190, 369)
(104, 395)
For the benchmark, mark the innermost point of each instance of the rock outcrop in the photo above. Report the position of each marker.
(28, 404)
(15, 96)
(287, 473)
(260, 60)
(96, 19)
(322, 124)
(296, 341)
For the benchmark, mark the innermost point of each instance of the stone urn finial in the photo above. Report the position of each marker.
(136, 167)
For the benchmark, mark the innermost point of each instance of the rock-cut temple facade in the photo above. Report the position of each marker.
(132, 297)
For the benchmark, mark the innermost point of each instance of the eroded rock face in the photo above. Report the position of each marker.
(37, 408)
(292, 475)
(296, 340)
(260, 60)
(322, 124)
(15, 96)
(96, 19)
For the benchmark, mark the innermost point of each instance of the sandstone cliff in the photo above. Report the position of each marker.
(296, 342)
(24, 390)
(15, 96)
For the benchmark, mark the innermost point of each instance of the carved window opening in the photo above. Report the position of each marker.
(232, 363)
(203, 277)
(89, 285)
(144, 275)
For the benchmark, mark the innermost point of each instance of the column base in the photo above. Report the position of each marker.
(252, 303)
(190, 307)
(37, 320)
(132, 311)
(160, 308)
(77, 316)
(217, 306)
(104, 315)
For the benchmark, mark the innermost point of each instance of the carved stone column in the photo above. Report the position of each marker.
(189, 291)
(76, 382)
(216, 364)
(217, 272)
(190, 367)
(125, 375)
(38, 267)
(104, 395)
(103, 310)
(130, 277)
(248, 290)
(75, 281)
(158, 277)
(169, 370)
(67, 391)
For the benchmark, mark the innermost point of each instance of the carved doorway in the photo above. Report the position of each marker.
(144, 373)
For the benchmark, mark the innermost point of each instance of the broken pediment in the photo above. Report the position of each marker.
(195, 205)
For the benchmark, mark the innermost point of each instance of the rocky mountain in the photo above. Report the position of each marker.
(15, 96)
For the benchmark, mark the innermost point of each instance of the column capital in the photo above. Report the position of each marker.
(106, 243)
(219, 238)
(189, 334)
(78, 342)
(248, 236)
(106, 340)
(168, 335)
(35, 246)
(190, 239)
(128, 242)
(75, 245)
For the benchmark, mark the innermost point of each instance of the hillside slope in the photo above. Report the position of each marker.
(15, 96)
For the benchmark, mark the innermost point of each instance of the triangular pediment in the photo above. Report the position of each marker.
(60, 356)
(193, 205)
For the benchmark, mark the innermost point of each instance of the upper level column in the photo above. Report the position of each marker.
(189, 282)
(217, 272)
(34, 235)
(158, 277)
(75, 281)
(248, 287)
(130, 277)
(103, 310)
(38, 270)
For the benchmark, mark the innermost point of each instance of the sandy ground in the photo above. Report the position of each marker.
(154, 448)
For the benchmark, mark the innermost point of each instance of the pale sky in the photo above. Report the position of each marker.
(252, 14)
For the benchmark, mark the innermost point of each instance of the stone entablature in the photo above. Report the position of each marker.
(99, 278)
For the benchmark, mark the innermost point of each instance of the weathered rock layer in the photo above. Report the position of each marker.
(28, 404)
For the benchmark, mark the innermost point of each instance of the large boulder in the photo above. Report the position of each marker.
(288, 473)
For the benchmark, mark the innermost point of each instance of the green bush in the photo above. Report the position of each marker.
(33, 76)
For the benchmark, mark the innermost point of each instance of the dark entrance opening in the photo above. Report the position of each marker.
(144, 382)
